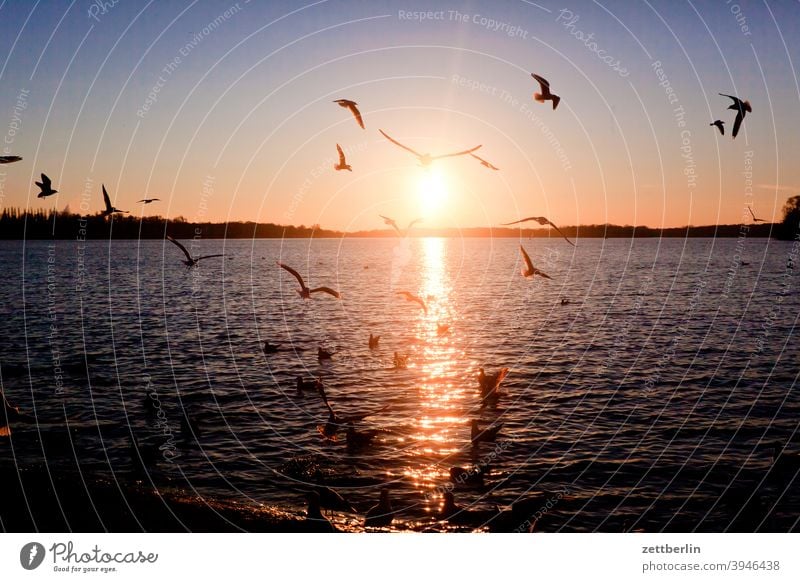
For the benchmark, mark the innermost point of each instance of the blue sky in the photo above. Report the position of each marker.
(242, 125)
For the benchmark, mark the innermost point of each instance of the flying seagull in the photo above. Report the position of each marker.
(545, 94)
(529, 270)
(342, 165)
(109, 209)
(414, 298)
(719, 125)
(393, 224)
(741, 108)
(351, 105)
(426, 159)
(9, 159)
(190, 261)
(484, 162)
(544, 222)
(754, 216)
(149, 200)
(46, 187)
(304, 291)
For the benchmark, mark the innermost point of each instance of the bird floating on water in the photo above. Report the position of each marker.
(380, 515)
(542, 221)
(314, 385)
(373, 341)
(486, 435)
(400, 361)
(426, 159)
(545, 94)
(190, 260)
(352, 106)
(270, 348)
(529, 270)
(9, 159)
(109, 210)
(315, 521)
(333, 500)
(490, 383)
(342, 165)
(484, 163)
(304, 291)
(720, 126)
(323, 354)
(46, 187)
(415, 298)
(742, 108)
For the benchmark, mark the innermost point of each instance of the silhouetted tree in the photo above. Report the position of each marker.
(790, 226)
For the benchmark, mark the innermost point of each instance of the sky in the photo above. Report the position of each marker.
(224, 110)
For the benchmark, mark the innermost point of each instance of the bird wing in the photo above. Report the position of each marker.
(180, 246)
(356, 113)
(397, 143)
(527, 259)
(737, 123)
(391, 223)
(293, 272)
(327, 290)
(342, 160)
(208, 257)
(412, 223)
(538, 219)
(541, 273)
(736, 100)
(9, 159)
(545, 84)
(558, 230)
(45, 182)
(469, 151)
(720, 127)
(107, 200)
(484, 162)
(751, 213)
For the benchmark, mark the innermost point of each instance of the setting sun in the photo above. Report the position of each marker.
(432, 191)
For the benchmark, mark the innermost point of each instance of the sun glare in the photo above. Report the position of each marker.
(432, 191)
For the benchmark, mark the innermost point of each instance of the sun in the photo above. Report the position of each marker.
(432, 191)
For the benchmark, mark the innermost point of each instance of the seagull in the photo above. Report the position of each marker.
(149, 200)
(741, 108)
(545, 94)
(720, 125)
(314, 385)
(470, 477)
(304, 291)
(490, 384)
(457, 515)
(400, 361)
(46, 187)
(323, 354)
(9, 159)
(487, 435)
(357, 440)
(333, 500)
(426, 159)
(544, 222)
(190, 261)
(529, 270)
(391, 222)
(484, 162)
(754, 216)
(110, 209)
(270, 348)
(342, 165)
(414, 298)
(373, 341)
(380, 515)
(351, 105)
(315, 521)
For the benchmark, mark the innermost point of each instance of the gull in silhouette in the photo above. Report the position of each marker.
(351, 105)
(304, 291)
(333, 500)
(427, 159)
(391, 222)
(720, 126)
(742, 108)
(190, 260)
(490, 383)
(314, 385)
(342, 165)
(46, 187)
(149, 200)
(373, 341)
(529, 270)
(109, 208)
(544, 222)
(315, 521)
(486, 435)
(754, 216)
(323, 354)
(380, 515)
(471, 477)
(457, 515)
(270, 348)
(9, 159)
(416, 299)
(545, 94)
(484, 163)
